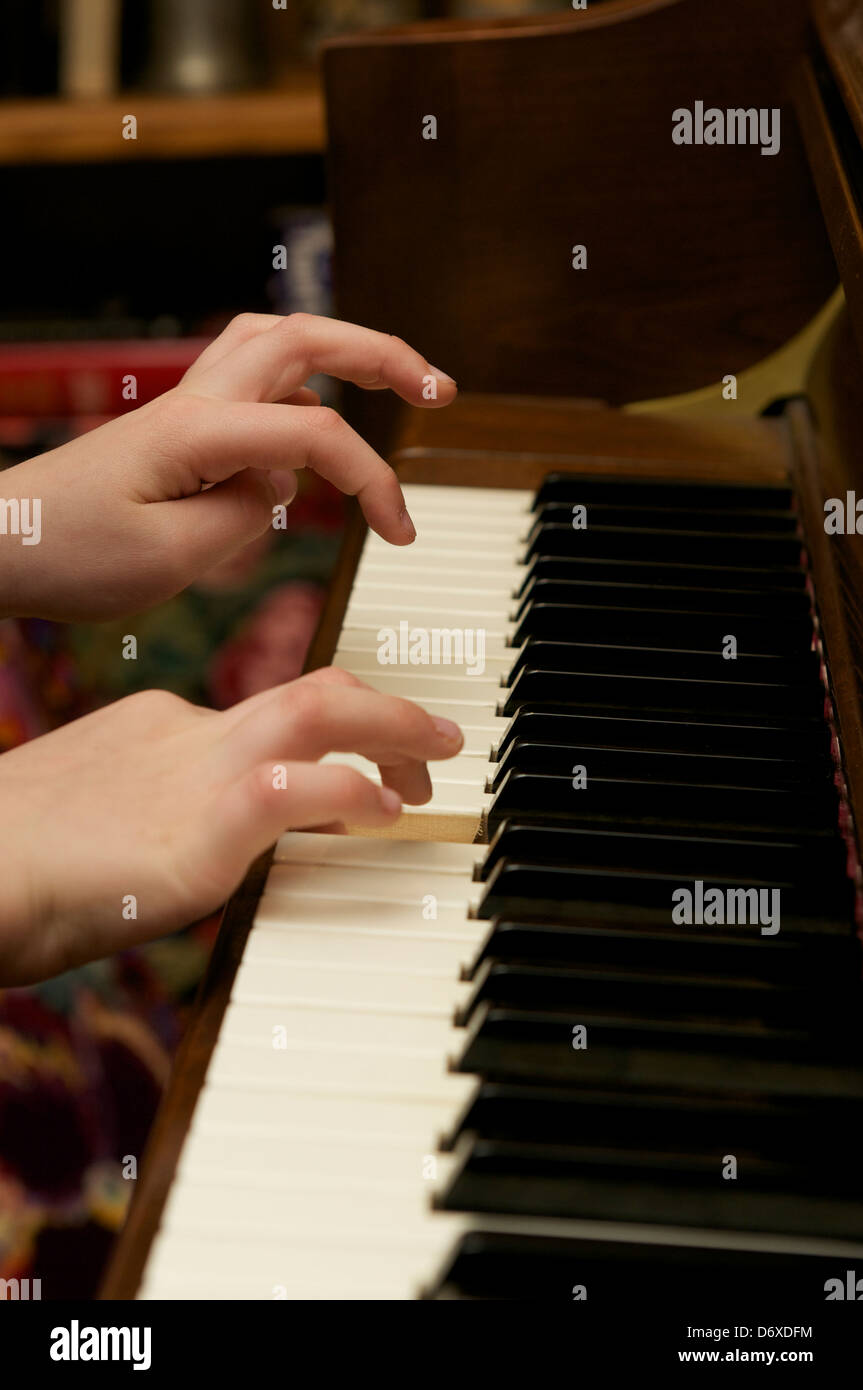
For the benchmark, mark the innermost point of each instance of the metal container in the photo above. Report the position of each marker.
(204, 46)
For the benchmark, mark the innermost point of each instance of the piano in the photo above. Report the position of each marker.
(591, 1020)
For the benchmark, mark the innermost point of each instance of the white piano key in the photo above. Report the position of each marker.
(214, 1267)
(463, 550)
(324, 1167)
(364, 660)
(394, 1075)
(401, 992)
(350, 911)
(411, 595)
(454, 799)
(238, 1160)
(414, 1232)
(499, 578)
(295, 1214)
(228, 1109)
(337, 1027)
(448, 511)
(305, 1265)
(277, 934)
(462, 498)
(506, 529)
(426, 612)
(366, 639)
(384, 885)
(422, 950)
(308, 847)
(497, 585)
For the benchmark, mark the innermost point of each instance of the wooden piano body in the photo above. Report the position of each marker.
(703, 262)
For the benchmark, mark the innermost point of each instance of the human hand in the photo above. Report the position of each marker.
(135, 510)
(160, 806)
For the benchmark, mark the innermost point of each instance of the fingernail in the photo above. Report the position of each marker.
(391, 802)
(448, 730)
(407, 524)
(442, 376)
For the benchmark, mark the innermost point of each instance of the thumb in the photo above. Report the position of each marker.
(222, 519)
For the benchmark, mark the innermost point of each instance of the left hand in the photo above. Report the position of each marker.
(135, 510)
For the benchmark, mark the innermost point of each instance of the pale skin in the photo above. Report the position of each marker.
(154, 798)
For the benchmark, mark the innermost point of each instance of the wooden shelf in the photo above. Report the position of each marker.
(286, 120)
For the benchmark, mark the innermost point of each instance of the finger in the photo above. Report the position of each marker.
(410, 780)
(284, 481)
(239, 330)
(323, 675)
(306, 719)
(305, 396)
(239, 435)
(271, 364)
(215, 524)
(274, 797)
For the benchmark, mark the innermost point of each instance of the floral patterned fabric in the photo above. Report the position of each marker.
(85, 1057)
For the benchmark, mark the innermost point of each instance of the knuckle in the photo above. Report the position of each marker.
(243, 322)
(156, 702)
(351, 789)
(327, 420)
(305, 709)
(262, 785)
(334, 675)
(180, 412)
(299, 323)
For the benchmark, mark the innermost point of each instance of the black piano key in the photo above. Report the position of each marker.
(634, 491)
(564, 893)
(524, 1179)
(777, 581)
(488, 1264)
(608, 593)
(526, 755)
(730, 1037)
(654, 517)
(688, 547)
(635, 694)
(629, 1119)
(817, 866)
(677, 663)
(677, 630)
(721, 734)
(826, 961)
(663, 803)
(554, 987)
(651, 1053)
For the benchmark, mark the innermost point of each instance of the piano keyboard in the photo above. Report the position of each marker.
(461, 573)
(502, 1070)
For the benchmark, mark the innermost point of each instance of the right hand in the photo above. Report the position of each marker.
(168, 802)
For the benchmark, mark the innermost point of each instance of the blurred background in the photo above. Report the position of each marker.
(121, 255)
